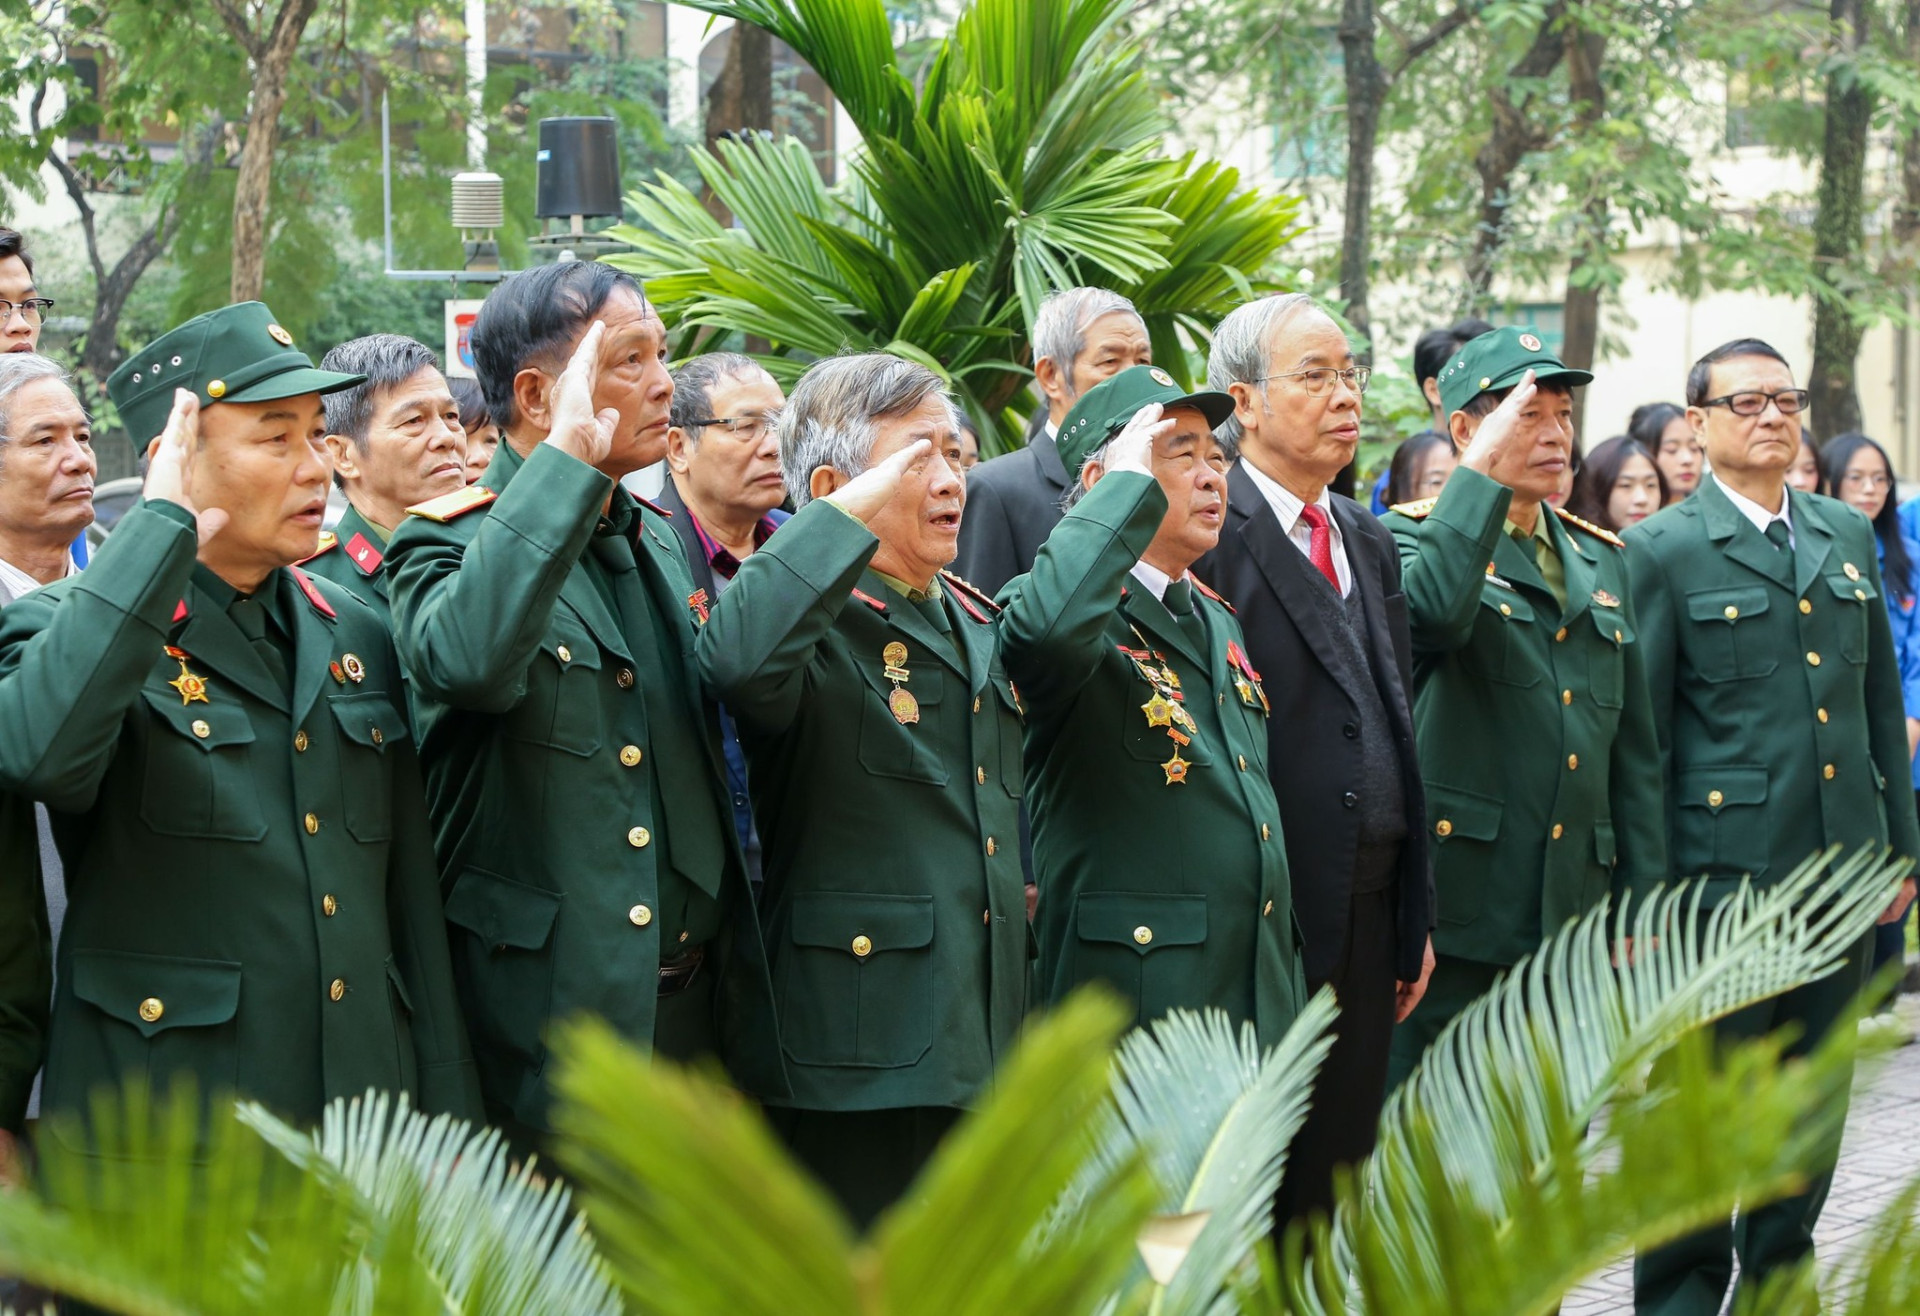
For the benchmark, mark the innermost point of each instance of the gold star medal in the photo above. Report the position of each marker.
(1176, 769)
(1244, 689)
(1159, 711)
(192, 686)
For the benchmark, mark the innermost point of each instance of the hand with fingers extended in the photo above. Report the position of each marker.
(1132, 448)
(1504, 432)
(577, 429)
(170, 465)
(868, 493)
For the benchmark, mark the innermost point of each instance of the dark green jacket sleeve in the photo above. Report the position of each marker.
(1658, 639)
(1053, 627)
(473, 597)
(756, 648)
(26, 960)
(1444, 556)
(73, 656)
(1635, 786)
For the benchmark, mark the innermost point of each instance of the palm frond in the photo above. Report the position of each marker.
(1883, 1275)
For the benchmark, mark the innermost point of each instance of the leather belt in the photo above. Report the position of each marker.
(677, 974)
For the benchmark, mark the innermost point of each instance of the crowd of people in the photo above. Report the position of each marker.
(302, 811)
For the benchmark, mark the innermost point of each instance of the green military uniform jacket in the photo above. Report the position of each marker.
(26, 959)
(250, 877)
(894, 901)
(1167, 883)
(573, 771)
(1535, 734)
(351, 556)
(1775, 687)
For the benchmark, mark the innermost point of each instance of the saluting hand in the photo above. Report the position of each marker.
(1132, 448)
(577, 429)
(867, 493)
(170, 465)
(1502, 430)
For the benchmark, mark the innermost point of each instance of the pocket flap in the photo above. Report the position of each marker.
(1463, 813)
(1727, 605)
(1716, 788)
(835, 920)
(1145, 921)
(1856, 591)
(1605, 848)
(502, 912)
(399, 984)
(1611, 624)
(157, 992)
(1509, 603)
(368, 720)
(207, 725)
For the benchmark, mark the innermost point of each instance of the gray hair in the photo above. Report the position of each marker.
(1241, 346)
(387, 360)
(693, 383)
(1077, 486)
(17, 370)
(833, 413)
(1060, 325)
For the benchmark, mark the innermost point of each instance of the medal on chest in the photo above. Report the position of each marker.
(901, 703)
(1246, 681)
(1166, 709)
(190, 685)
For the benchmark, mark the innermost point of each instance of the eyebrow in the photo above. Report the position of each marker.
(1321, 359)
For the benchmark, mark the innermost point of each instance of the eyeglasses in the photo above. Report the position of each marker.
(1319, 379)
(1867, 480)
(30, 310)
(744, 429)
(1791, 402)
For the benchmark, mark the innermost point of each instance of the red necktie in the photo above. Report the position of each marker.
(1320, 548)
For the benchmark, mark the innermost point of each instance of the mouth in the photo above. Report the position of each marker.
(78, 494)
(771, 478)
(1345, 433)
(947, 522)
(313, 514)
(1210, 513)
(1553, 464)
(447, 468)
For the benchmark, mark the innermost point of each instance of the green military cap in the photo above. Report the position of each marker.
(1499, 359)
(235, 354)
(1104, 409)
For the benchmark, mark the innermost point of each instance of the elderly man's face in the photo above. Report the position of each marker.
(20, 334)
(633, 381)
(1288, 427)
(1191, 467)
(1537, 468)
(47, 465)
(735, 468)
(1112, 343)
(415, 449)
(1766, 442)
(266, 465)
(919, 530)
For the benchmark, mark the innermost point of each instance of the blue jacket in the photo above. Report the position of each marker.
(1905, 612)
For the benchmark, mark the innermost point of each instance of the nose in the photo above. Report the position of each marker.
(944, 478)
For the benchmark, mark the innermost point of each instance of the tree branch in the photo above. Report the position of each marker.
(236, 23)
(1427, 40)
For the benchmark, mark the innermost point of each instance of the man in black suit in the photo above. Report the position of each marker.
(1316, 580)
(1080, 337)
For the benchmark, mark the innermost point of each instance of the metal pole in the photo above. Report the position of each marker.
(476, 84)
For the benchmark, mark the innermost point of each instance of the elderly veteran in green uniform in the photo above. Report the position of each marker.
(883, 756)
(579, 799)
(396, 440)
(1161, 867)
(1776, 692)
(220, 740)
(1530, 692)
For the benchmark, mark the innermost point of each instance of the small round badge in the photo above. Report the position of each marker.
(1160, 377)
(1529, 342)
(216, 388)
(279, 335)
(356, 670)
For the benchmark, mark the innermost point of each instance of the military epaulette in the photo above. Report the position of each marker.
(652, 506)
(1604, 536)
(1414, 511)
(869, 600)
(328, 542)
(314, 596)
(1201, 585)
(969, 594)
(458, 503)
(364, 556)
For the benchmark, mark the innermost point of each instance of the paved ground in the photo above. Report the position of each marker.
(1881, 1156)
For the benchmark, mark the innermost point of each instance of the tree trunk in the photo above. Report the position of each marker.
(1585, 54)
(252, 193)
(741, 98)
(1512, 137)
(1365, 90)
(1839, 231)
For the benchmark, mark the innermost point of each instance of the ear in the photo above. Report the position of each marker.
(1090, 474)
(679, 450)
(824, 480)
(1431, 388)
(1242, 402)
(1461, 427)
(1046, 373)
(1697, 417)
(345, 455)
(531, 390)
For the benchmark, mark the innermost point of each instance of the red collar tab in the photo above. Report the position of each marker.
(314, 596)
(364, 556)
(1201, 585)
(652, 506)
(972, 608)
(967, 589)
(179, 612)
(869, 600)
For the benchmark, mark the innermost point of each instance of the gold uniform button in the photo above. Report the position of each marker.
(1243, 763)
(1820, 713)
(1813, 660)
(1806, 606)
(201, 729)
(337, 989)
(683, 937)
(216, 388)
(565, 654)
(1505, 611)
(1266, 832)
(1566, 696)
(1861, 595)
(862, 946)
(1143, 934)
(1618, 637)
(1827, 772)
(976, 703)
(151, 1009)
(1559, 636)
(378, 737)
(1266, 909)
(980, 776)
(1731, 613)
(1559, 831)
(639, 837)
(639, 916)
(1715, 799)
(624, 678)
(329, 906)
(1573, 762)
(1443, 828)
(630, 755)
(312, 822)
(993, 846)
(300, 741)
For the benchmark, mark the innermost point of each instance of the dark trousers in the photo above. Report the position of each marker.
(1454, 985)
(1345, 1115)
(865, 1158)
(1689, 1277)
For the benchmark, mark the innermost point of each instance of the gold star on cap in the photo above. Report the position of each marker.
(1160, 377)
(279, 335)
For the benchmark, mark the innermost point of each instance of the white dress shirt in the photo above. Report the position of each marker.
(1152, 578)
(1288, 506)
(17, 582)
(1759, 515)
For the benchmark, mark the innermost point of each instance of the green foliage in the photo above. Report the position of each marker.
(1025, 158)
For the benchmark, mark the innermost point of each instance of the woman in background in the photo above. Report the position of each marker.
(1804, 474)
(1420, 468)
(1619, 486)
(1664, 431)
(483, 436)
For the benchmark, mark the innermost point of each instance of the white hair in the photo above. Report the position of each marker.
(1242, 345)
(17, 370)
(1060, 325)
(832, 417)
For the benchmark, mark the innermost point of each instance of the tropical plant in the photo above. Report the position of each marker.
(1025, 159)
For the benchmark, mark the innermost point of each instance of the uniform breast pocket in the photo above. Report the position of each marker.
(1152, 725)
(1607, 659)
(1498, 648)
(856, 984)
(1725, 637)
(1720, 824)
(1150, 946)
(1852, 598)
(904, 750)
(199, 777)
(561, 709)
(368, 727)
